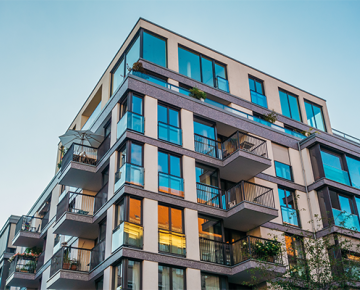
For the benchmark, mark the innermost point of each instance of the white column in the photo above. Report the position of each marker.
(110, 224)
(150, 224)
(192, 234)
(193, 279)
(189, 178)
(108, 278)
(150, 113)
(150, 168)
(150, 275)
(187, 126)
(115, 114)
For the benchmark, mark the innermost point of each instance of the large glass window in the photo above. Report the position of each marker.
(131, 115)
(169, 168)
(169, 124)
(333, 167)
(257, 91)
(171, 278)
(210, 228)
(127, 275)
(189, 64)
(129, 209)
(288, 207)
(296, 255)
(354, 171)
(282, 162)
(207, 71)
(133, 54)
(154, 49)
(314, 116)
(118, 76)
(289, 105)
(205, 138)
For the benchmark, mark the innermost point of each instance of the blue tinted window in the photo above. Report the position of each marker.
(283, 170)
(162, 114)
(133, 54)
(117, 77)
(294, 108)
(136, 154)
(154, 49)
(175, 167)
(174, 118)
(284, 104)
(189, 64)
(314, 116)
(259, 87)
(330, 159)
(252, 84)
(207, 71)
(282, 197)
(354, 171)
(163, 162)
(137, 105)
(204, 130)
(289, 106)
(345, 204)
(220, 70)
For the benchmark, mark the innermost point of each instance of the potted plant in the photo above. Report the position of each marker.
(197, 94)
(74, 265)
(271, 117)
(66, 261)
(137, 67)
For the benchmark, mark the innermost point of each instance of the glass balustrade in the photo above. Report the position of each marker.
(336, 174)
(171, 184)
(169, 133)
(346, 220)
(127, 234)
(130, 121)
(131, 174)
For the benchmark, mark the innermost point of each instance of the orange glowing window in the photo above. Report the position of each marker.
(176, 220)
(135, 211)
(163, 217)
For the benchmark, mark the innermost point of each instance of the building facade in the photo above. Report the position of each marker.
(182, 187)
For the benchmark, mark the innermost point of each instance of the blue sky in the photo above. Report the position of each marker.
(52, 53)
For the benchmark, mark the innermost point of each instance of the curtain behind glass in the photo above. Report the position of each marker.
(177, 279)
(133, 275)
(209, 282)
(164, 278)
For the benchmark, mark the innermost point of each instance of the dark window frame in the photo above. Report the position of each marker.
(170, 274)
(259, 81)
(169, 216)
(127, 99)
(172, 107)
(126, 201)
(322, 113)
(292, 191)
(291, 171)
(127, 145)
(294, 258)
(297, 101)
(125, 265)
(142, 30)
(168, 153)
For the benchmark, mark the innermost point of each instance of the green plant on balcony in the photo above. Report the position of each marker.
(74, 264)
(309, 132)
(66, 260)
(266, 250)
(34, 250)
(271, 117)
(63, 151)
(197, 94)
(137, 66)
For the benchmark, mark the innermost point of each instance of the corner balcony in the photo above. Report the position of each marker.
(78, 167)
(75, 211)
(28, 231)
(246, 201)
(130, 121)
(245, 256)
(22, 271)
(130, 174)
(127, 234)
(70, 267)
(243, 155)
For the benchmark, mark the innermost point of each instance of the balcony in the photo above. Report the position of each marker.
(22, 272)
(171, 184)
(27, 232)
(246, 201)
(131, 174)
(336, 174)
(78, 167)
(127, 234)
(346, 220)
(103, 148)
(241, 255)
(169, 133)
(172, 243)
(258, 99)
(74, 216)
(130, 121)
(243, 155)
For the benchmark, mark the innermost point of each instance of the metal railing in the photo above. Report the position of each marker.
(172, 242)
(97, 254)
(171, 184)
(40, 261)
(23, 264)
(127, 234)
(207, 194)
(345, 136)
(75, 202)
(207, 146)
(69, 258)
(231, 254)
(101, 198)
(28, 224)
(104, 147)
(79, 153)
(45, 220)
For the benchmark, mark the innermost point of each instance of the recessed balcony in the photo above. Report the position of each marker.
(246, 201)
(28, 231)
(22, 271)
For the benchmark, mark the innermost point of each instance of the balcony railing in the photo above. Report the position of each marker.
(78, 203)
(97, 254)
(218, 105)
(237, 141)
(336, 174)
(239, 251)
(171, 184)
(243, 191)
(79, 153)
(103, 148)
(24, 264)
(172, 242)
(222, 84)
(345, 136)
(127, 234)
(131, 174)
(258, 99)
(69, 258)
(28, 224)
(40, 261)
(101, 198)
(130, 121)
(346, 220)
(169, 133)
(45, 220)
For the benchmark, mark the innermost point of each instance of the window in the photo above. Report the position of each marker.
(207, 185)
(354, 171)
(99, 284)
(128, 210)
(171, 278)
(171, 230)
(127, 275)
(257, 92)
(288, 206)
(169, 124)
(203, 69)
(210, 229)
(205, 138)
(334, 167)
(213, 282)
(92, 117)
(154, 48)
(314, 116)
(296, 255)
(169, 168)
(282, 162)
(131, 115)
(289, 105)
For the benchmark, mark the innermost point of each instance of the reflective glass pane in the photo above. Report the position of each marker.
(294, 108)
(220, 70)
(136, 154)
(284, 104)
(345, 204)
(210, 229)
(133, 54)
(252, 84)
(118, 277)
(204, 130)
(137, 105)
(163, 217)
(210, 282)
(133, 275)
(122, 157)
(207, 71)
(189, 64)
(175, 167)
(174, 118)
(330, 159)
(354, 171)
(283, 170)
(177, 279)
(154, 49)
(117, 77)
(135, 211)
(162, 114)
(290, 199)
(120, 213)
(164, 278)
(282, 197)
(259, 87)
(318, 118)
(163, 162)
(176, 220)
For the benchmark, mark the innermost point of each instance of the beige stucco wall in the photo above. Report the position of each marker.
(150, 275)
(193, 279)
(270, 170)
(189, 178)
(309, 175)
(304, 211)
(187, 126)
(296, 166)
(192, 234)
(151, 168)
(108, 278)
(45, 277)
(115, 116)
(150, 225)
(110, 225)
(150, 113)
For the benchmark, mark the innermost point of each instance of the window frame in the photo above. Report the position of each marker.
(124, 269)
(291, 171)
(142, 30)
(169, 165)
(322, 114)
(127, 99)
(295, 258)
(168, 107)
(171, 276)
(169, 217)
(126, 200)
(288, 103)
(127, 146)
(287, 205)
(259, 81)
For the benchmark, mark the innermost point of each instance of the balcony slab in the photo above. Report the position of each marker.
(27, 239)
(20, 279)
(65, 279)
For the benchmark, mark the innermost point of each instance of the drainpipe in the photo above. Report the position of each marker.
(306, 189)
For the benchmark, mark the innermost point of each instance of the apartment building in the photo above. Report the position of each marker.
(181, 188)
